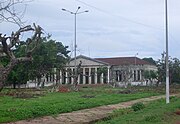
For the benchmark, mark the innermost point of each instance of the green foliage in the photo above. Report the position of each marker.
(152, 118)
(19, 75)
(150, 60)
(103, 70)
(13, 109)
(138, 106)
(4, 61)
(156, 112)
(49, 54)
(174, 70)
(150, 74)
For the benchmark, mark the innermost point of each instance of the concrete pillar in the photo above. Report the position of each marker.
(102, 78)
(132, 75)
(55, 75)
(90, 76)
(79, 78)
(108, 75)
(72, 79)
(45, 79)
(60, 77)
(49, 78)
(66, 77)
(95, 75)
(84, 77)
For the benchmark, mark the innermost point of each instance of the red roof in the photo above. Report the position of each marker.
(124, 61)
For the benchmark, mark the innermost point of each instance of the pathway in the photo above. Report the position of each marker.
(86, 116)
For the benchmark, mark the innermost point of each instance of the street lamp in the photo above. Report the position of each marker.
(167, 56)
(75, 46)
(135, 67)
(135, 58)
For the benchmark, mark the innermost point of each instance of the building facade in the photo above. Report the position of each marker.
(119, 69)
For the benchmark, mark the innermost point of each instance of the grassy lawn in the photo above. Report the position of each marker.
(156, 112)
(13, 109)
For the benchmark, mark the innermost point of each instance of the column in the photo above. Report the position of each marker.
(108, 75)
(95, 76)
(72, 78)
(102, 78)
(140, 72)
(60, 77)
(90, 76)
(55, 76)
(79, 77)
(132, 75)
(49, 78)
(84, 77)
(66, 76)
(45, 79)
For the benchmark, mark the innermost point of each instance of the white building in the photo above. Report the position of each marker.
(119, 69)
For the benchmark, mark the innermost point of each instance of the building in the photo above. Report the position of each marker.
(118, 69)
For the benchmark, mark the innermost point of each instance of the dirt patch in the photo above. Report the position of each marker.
(178, 112)
(88, 96)
(126, 91)
(64, 89)
(24, 93)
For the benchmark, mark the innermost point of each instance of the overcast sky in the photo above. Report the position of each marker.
(111, 28)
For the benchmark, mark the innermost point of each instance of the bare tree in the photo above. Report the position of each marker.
(9, 43)
(10, 12)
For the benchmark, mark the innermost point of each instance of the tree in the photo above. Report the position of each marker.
(9, 13)
(174, 70)
(150, 60)
(19, 75)
(150, 75)
(10, 43)
(48, 55)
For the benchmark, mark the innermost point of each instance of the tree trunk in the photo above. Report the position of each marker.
(6, 70)
(1, 85)
(14, 84)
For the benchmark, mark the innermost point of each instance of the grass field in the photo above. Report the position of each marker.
(156, 112)
(13, 109)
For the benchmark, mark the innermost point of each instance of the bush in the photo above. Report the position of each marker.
(138, 106)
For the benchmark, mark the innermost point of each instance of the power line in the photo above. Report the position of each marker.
(129, 20)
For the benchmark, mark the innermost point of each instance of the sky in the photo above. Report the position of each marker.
(111, 28)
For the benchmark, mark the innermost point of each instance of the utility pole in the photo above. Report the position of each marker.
(167, 56)
(75, 44)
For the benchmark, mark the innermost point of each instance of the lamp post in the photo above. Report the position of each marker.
(167, 56)
(135, 58)
(135, 67)
(75, 46)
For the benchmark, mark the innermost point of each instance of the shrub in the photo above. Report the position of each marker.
(138, 106)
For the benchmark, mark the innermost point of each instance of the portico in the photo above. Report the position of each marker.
(88, 71)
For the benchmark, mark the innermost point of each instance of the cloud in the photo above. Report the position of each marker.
(110, 28)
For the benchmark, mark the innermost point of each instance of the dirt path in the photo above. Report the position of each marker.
(86, 116)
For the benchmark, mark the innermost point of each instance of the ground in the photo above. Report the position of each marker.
(19, 106)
